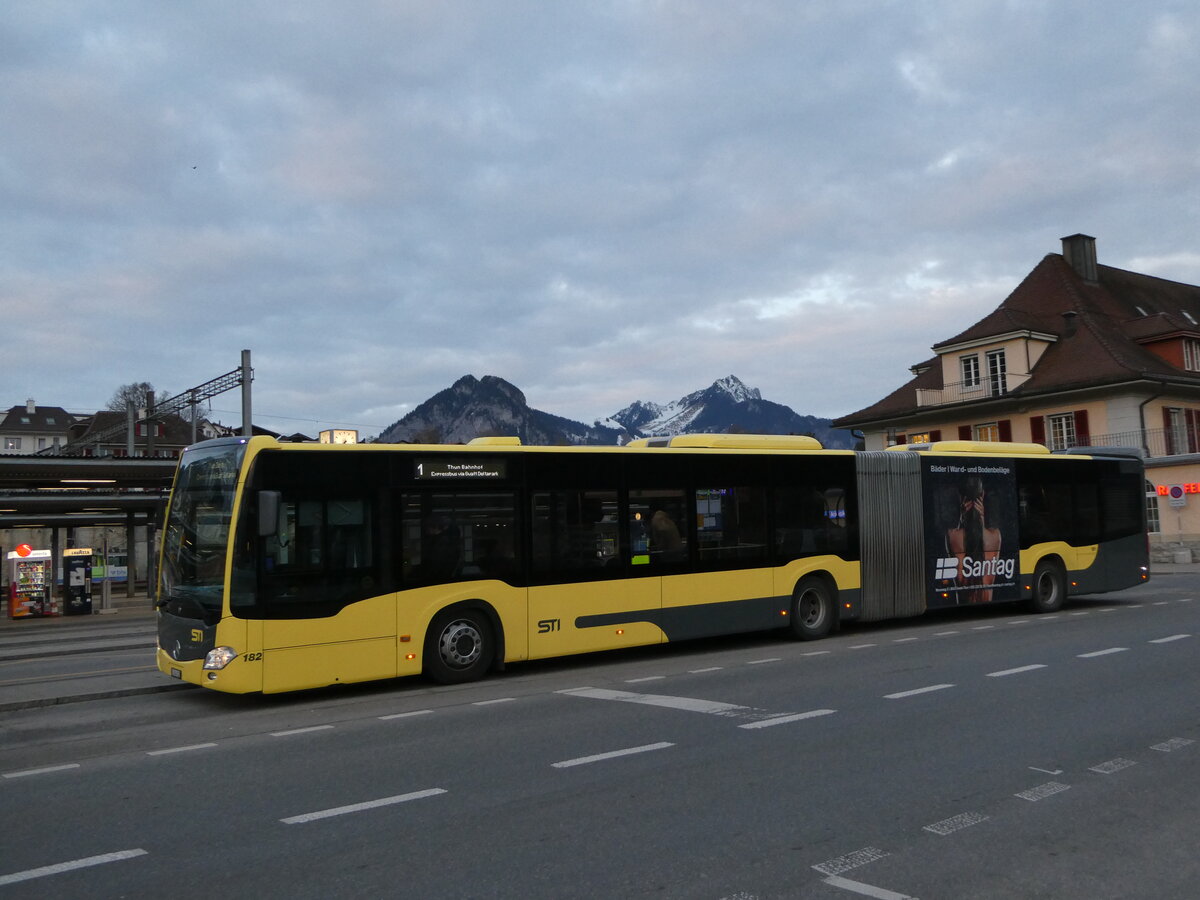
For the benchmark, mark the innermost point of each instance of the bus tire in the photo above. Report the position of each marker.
(1049, 587)
(813, 609)
(459, 647)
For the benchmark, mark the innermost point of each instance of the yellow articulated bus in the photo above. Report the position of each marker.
(288, 566)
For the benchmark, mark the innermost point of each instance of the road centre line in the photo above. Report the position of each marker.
(688, 704)
(702, 671)
(1107, 652)
(300, 730)
(45, 770)
(647, 678)
(925, 690)
(1167, 640)
(58, 868)
(497, 700)
(861, 646)
(784, 719)
(360, 807)
(759, 662)
(1016, 671)
(179, 749)
(612, 754)
(905, 640)
(944, 633)
(405, 715)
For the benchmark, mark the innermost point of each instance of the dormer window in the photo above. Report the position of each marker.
(970, 370)
(1191, 354)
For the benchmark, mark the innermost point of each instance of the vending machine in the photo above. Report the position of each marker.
(77, 581)
(30, 580)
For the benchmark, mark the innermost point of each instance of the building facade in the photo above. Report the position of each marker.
(32, 428)
(1079, 354)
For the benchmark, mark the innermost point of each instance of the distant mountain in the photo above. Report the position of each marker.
(726, 405)
(474, 407)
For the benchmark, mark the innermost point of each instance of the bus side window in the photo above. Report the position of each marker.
(574, 532)
(658, 527)
(458, 537)
(731, 524)
(810, 521)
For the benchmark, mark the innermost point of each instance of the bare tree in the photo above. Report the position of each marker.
(136, 392)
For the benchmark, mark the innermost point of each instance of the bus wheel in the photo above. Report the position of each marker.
(812, 609)
(459, 647)
(1049, 587)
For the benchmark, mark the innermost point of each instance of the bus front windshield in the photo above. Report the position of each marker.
(196, 534)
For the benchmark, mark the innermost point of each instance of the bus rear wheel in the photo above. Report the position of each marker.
(812, 609)
(1049, 587)
(459, 647)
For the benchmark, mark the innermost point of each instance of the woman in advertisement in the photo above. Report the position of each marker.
(974, 543)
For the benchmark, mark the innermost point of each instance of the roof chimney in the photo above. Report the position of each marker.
(30, 407)
(1070, 323)
(1080, 251)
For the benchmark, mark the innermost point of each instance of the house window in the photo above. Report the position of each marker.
(1191, 354)
(970, 370)
(1152, 523)
(922, 438)
(988, 432)
(1060, 431)
(1181, 427)
(12, 443)
(997, 373)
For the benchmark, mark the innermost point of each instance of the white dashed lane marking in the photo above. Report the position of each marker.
(58, 868)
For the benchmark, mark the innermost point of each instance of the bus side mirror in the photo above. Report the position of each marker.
(268, 513)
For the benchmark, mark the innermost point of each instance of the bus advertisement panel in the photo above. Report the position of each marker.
(971, 540)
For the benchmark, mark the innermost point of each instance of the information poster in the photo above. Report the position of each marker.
(971, 545)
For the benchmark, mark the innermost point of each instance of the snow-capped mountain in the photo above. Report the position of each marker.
(726, 405)
(474, 407)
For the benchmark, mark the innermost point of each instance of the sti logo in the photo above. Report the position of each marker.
(947, 568)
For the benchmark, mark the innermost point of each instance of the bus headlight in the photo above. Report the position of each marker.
(219, 657)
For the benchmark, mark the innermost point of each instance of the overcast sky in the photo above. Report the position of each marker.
(600, 202)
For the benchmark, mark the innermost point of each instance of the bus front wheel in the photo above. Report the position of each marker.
(812, 609)
(1049, 587)
(459, 647)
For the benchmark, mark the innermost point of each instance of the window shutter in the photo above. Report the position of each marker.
(1005, 428)
(964, 432)
(1037, 429)
(901, 439)
(1083, 437)
(1170, 438)
(935, 435)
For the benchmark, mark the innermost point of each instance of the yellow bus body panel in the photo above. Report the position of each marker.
(558, 616)
(1074, 558)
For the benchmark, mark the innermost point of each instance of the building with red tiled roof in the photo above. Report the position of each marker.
(1079, 354)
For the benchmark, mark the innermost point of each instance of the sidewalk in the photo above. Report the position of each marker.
(27, 644)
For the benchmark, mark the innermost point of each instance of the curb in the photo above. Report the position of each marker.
(13, 705)
(75, 651)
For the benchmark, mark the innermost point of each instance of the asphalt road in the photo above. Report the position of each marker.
(980, 754)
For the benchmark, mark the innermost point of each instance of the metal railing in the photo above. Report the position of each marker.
(971, 391)
(1155, 441)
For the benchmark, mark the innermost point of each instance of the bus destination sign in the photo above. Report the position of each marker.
(452, 469)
